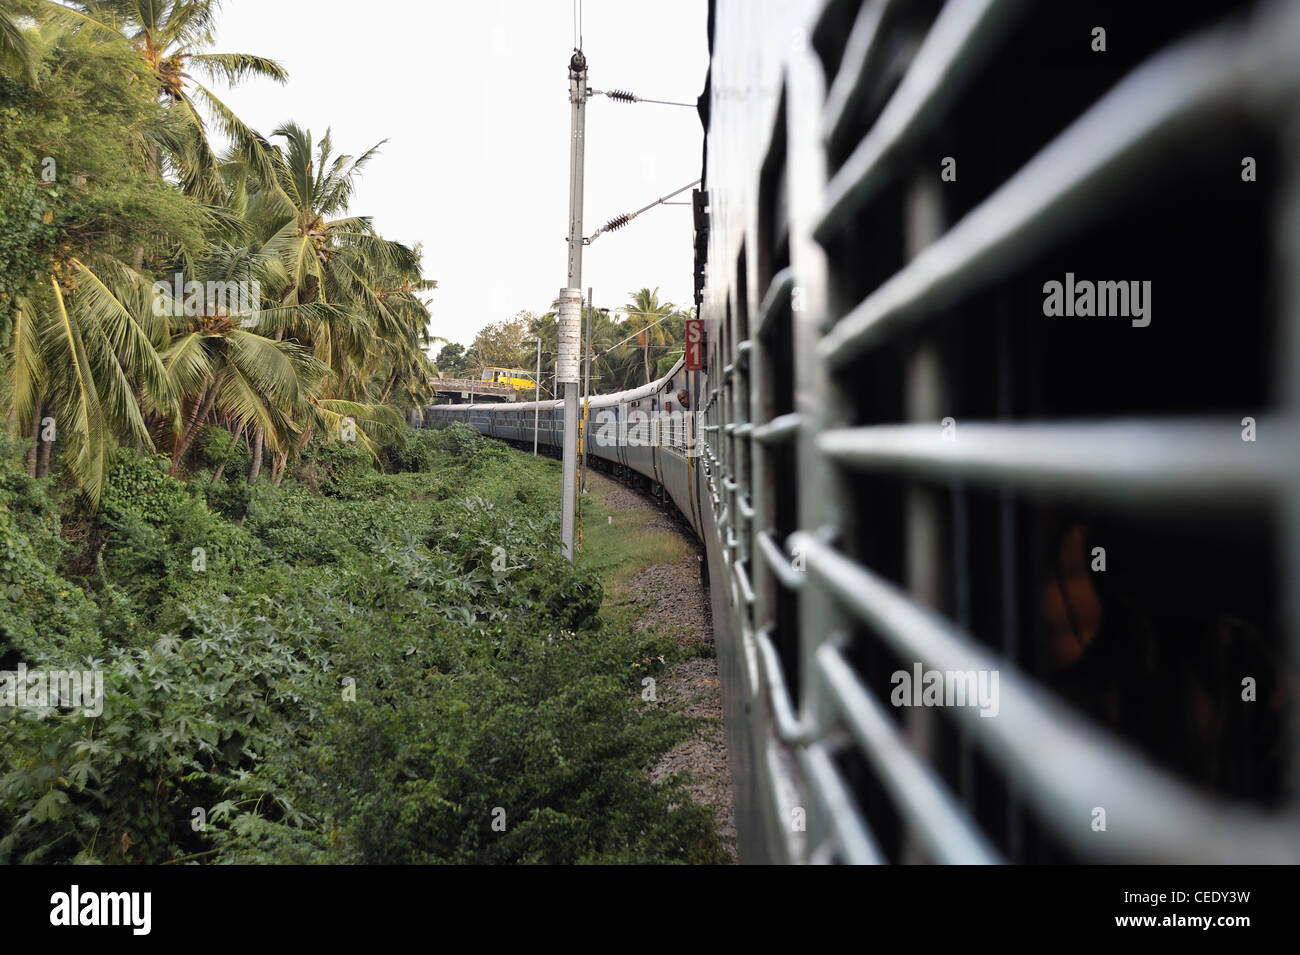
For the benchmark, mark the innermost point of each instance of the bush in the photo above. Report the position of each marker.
(459, 440)
(415, 453)
(338, 468)
(351, 680)
(229, 497)
(162, 546)
(182, 722)
(215, 446)
(43, 617)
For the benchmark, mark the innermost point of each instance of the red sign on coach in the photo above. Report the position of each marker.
(694, 344)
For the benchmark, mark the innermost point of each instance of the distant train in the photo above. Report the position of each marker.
(919, 487)
(645, 431)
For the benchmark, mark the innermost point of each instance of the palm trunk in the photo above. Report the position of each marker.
(43, 459)
(259, 439)
(43, 448)
(388, 388)
(256, 468)
(197, 417)
(34, 451)
(221, 468)
(278, 467)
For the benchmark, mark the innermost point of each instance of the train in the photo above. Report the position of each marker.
(992, 582)
(647, 433)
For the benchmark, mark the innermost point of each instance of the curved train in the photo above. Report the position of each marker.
(906, 470)
(645, 431)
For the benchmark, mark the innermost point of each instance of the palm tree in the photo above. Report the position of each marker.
(624, 366)
(334, 288)
(84, 345)
(609, 363)
(170, 36)
(326, 256)
(82, 351)
(340, 327)
(644, 311)
(221, 365)
(400, 355)
(337, 260)
(16, 54)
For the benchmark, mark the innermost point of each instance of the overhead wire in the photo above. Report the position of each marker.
(625, 96)
(619, 221)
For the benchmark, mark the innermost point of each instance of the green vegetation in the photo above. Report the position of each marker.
(372, 654)
(619, 543)
(153, 289)
(349, 680)
(632, 350)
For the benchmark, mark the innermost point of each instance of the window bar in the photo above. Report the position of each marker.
(1148, 462)
(775, 560)
(850, 87)
(1009, 573)
(775, 304)
(822, 496)
(778, 430)
(852, 837)
(1287, 244)
(948, 833)
(1071, 181)
(961, 38)
(1067, 764)
(925, 400)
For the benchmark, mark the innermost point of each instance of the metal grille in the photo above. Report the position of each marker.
(892, 433)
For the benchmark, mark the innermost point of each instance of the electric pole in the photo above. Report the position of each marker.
(586, 392)
(537, 394)
(570, 319)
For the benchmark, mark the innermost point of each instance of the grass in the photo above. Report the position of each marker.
(620, 543)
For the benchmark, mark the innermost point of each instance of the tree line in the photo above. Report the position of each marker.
(628, 351)
(120, 215)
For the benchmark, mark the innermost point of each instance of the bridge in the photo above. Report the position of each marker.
(465, 390)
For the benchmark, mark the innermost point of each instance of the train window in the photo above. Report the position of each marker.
(1132, 648)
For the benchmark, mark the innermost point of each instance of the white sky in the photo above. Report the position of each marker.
(473, 98)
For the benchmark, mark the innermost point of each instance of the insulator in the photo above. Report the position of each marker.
(616, 223)
(623, 96)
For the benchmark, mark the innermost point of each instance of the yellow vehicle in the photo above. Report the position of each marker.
(514, 377)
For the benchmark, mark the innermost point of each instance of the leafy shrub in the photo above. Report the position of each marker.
(337, 468)
(352, 680)
(182, 721)
(459, 439)
(416, 453)
(42, 616)
(162, 545)
(215, 446)
(229, 497)
(140, 486)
